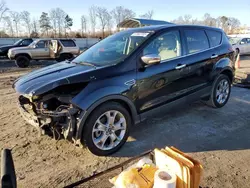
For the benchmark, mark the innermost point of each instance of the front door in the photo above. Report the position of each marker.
(162, 83)
(41, 50)
(53, 48)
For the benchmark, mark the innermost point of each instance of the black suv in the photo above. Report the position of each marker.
(97, 97)
(22, 42)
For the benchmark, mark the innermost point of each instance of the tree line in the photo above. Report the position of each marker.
(58, 23)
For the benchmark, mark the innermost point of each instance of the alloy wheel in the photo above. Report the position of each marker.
(109, 130)
(222, 91)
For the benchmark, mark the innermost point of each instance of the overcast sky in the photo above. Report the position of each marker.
(163, 9)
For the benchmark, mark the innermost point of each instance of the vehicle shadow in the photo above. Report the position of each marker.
(195, 128)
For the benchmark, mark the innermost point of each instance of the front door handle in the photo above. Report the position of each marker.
(214, 56)
(180, 66)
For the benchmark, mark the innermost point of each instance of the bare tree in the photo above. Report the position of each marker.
(179, 20)
(15, 16)
(53, 18)
(57, 16)
(84, 24)
(234, 25)
(3, 9)
(92, 18)
(35, 25)
(9, 25)
(110, 22)
(104, 16)
(148, 15)
(208, 20)
(187, 19)
(120, 13)
(25, 17)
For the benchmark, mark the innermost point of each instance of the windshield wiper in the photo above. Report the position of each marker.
(86, 63)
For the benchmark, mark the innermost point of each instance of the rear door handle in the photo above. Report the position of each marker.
(180, 66)
(214, 56)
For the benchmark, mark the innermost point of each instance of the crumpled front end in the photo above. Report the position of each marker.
(51, 114)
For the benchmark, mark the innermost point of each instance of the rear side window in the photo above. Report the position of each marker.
(68, 43)
(214, 37)
(196, 40)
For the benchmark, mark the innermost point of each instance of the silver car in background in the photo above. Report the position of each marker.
(240, 45)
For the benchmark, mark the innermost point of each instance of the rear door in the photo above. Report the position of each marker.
(202, 52)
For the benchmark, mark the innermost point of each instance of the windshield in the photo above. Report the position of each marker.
(234, 40)
(17, 42)
(113, 49)
(33, 43)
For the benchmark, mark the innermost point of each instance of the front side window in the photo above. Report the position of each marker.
(196, 40)
(214, 37)
(248, 40)
(113, 49)
(243, 41)
(41, 44)
(167, 46)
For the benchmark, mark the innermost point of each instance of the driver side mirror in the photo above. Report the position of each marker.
(241, 42)
(151, 59)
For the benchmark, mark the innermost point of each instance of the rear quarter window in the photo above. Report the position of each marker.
(214, 37)
(196, 40)
(68, 43)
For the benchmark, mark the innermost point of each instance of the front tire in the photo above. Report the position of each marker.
(22, 61)
(107, 129)
(220, 92)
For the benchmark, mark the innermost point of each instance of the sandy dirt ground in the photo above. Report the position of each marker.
(218, 138)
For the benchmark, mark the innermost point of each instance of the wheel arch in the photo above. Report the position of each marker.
(224, 66)
(124, 101)
(23, 54)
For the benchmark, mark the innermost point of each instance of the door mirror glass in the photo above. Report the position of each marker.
(151, 59)
(242, 42)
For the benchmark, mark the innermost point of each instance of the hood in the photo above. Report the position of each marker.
(7, 46)
(20, 48)
(50, 77)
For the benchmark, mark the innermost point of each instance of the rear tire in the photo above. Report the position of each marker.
(22, 61)
(220, 93)
(99, 128)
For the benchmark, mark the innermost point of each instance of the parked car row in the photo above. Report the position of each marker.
(28, 49)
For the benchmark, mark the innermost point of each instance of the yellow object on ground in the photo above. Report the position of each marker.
(142, 178)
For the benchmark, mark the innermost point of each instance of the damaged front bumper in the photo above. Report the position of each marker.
(57, 123)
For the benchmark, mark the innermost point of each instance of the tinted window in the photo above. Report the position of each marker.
(248, 40)
(25, 42)
(214, 37)
(41, 44)
(68, 43)
(243, 41)
(167, 46)
(196, 40)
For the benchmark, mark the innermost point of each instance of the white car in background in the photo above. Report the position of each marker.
(240, 45)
